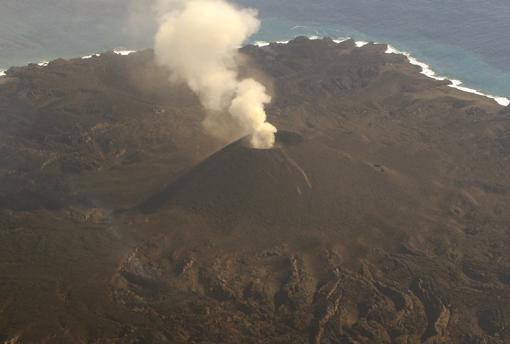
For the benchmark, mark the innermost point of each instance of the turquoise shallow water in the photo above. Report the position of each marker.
(460, 39)
(445, 59)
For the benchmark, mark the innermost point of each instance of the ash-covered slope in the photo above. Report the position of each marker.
(240, 182)
(381, 215)
(300, 187)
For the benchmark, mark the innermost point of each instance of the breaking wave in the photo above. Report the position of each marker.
(454, 83)
(425, 68)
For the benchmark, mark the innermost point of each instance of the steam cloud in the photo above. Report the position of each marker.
(198, 41)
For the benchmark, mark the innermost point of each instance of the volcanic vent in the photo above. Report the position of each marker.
(241, 181)
(286, 191)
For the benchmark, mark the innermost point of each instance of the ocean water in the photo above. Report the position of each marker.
(459, 39)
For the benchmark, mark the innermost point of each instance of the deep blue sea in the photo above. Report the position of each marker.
(460, 39)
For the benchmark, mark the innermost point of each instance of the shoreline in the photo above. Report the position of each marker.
(425, 68)
(44, 63)
(454, 83)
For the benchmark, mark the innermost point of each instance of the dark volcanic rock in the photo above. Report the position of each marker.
(380, 216)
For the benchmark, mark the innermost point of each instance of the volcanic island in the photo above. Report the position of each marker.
(381, 214)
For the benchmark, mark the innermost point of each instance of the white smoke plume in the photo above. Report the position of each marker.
(198, 41)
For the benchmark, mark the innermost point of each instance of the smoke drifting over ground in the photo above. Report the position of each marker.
(198, 41)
